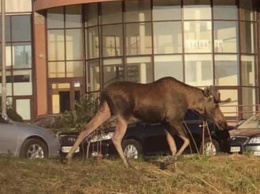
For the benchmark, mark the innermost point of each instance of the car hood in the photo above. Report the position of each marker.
(30, 127)
(244, 132)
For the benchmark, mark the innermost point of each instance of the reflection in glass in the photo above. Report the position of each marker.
(225, 10)
(91, 14)
(229, 109)
(137, 11)
(56, 45)
(21, 28)
(111, 12)
(248, 101)
(23, 108)
(226, 36)
(168, 66)
(92, 43)
(55, 17)
(197, 12)
(74, 44)
(166, 10)
(9, 81)
(198, 37)
(56, 69)
(139, 69)
(198, 70)
(93, 78)
(226, 70)
(8, 53)
(113, 70)
(248, 70)
(74, 69)
(167, 37)
(247, 10)
(7, 29)
(22, 55)
(247, 38)
(22, 82)
(112, 40)
(73, 16)
(138, 39)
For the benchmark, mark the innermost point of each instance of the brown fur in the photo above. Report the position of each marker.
(165, 100)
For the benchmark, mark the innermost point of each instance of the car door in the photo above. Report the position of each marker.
(8, 137)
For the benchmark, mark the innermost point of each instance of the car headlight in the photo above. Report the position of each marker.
(102, 137)
(254, 140)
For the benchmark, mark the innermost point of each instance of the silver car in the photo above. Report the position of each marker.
(27, 140)
(246, 137)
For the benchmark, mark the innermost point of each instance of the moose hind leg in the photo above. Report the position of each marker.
(181, 133)
(117, 138)
(171, 142)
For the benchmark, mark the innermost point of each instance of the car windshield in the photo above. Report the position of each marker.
(252, 122)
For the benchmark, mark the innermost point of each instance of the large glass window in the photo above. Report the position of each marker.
(56, 45)
(21, 28)
(166, 10)
(247, 10)
(139, 69)
(56, 69)
(112, 12)
(91, 14)
(247, 38)
(55, 17)
(74, 44)
(248, 71)
(198, 37)
(225, 10)
(196, 9)
(73, 16)
(92, 43)
(137, 11)
(112, 40)
(113, 70)
(23, 108)
(22, 80)
(226, 70)
(167, 37)
(198, 70)
(168, 66)
(22, 55)
(93, 77)
(226, 35)
(138, 39)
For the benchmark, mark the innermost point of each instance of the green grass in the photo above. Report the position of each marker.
(192, 174)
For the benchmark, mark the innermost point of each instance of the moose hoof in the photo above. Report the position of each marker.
(65, 161)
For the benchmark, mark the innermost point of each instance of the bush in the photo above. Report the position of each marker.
(85, 109)
(12, 114)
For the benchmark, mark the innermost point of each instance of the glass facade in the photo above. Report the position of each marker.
(198, 42)
(19, 73)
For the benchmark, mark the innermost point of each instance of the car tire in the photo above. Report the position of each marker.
(34, 149)
(132, 148)
(211, 147)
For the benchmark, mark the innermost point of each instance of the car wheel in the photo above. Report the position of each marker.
(131, 148)
(211, 147)
(33, 149)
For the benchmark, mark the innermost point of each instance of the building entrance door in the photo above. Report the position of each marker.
(64, 96)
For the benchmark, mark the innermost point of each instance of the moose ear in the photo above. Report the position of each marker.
(207, 91)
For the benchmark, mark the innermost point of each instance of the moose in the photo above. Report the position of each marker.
(165, 100)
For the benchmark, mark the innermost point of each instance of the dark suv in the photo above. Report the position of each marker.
(150, 139)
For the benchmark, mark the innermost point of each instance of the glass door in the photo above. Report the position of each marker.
(64, 96)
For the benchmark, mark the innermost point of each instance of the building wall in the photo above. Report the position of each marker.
(197, 61)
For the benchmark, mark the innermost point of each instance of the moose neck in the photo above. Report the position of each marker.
(196, 99)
